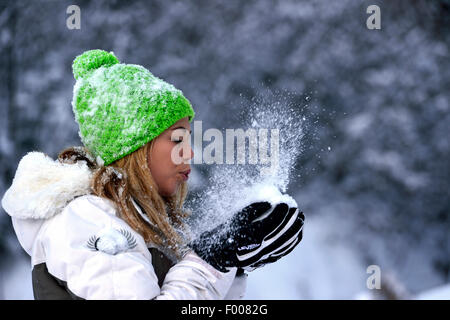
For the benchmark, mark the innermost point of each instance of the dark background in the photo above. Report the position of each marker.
(378, 98)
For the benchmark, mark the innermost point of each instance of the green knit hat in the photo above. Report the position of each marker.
(121, 107)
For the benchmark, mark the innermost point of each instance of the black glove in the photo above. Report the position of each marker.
(282, 246)
(256, 233)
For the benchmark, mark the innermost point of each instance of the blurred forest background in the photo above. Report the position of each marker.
(374, 176)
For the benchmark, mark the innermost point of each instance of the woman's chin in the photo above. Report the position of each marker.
(170, 192)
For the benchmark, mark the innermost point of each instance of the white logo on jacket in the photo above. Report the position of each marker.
(112, 241)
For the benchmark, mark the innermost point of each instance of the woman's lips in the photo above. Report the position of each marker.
(185, 174)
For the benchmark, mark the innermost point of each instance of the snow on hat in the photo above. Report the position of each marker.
(121, 107)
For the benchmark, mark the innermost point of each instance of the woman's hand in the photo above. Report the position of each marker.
(257, 235)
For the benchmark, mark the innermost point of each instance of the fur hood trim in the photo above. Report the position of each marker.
(42, 187)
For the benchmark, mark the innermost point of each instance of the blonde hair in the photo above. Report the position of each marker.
(130, 177)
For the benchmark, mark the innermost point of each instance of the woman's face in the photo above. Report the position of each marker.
(169, 158)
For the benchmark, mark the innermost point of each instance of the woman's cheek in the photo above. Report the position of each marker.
(170, 186)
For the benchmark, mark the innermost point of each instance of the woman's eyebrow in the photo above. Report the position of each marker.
(190, 131)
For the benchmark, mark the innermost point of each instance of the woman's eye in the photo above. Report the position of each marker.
(177, 141)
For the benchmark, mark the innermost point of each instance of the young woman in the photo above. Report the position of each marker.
(105, 221)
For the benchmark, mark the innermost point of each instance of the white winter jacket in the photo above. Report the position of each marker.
(77, 241)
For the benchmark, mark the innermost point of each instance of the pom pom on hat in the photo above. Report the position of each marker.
(91, 60)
